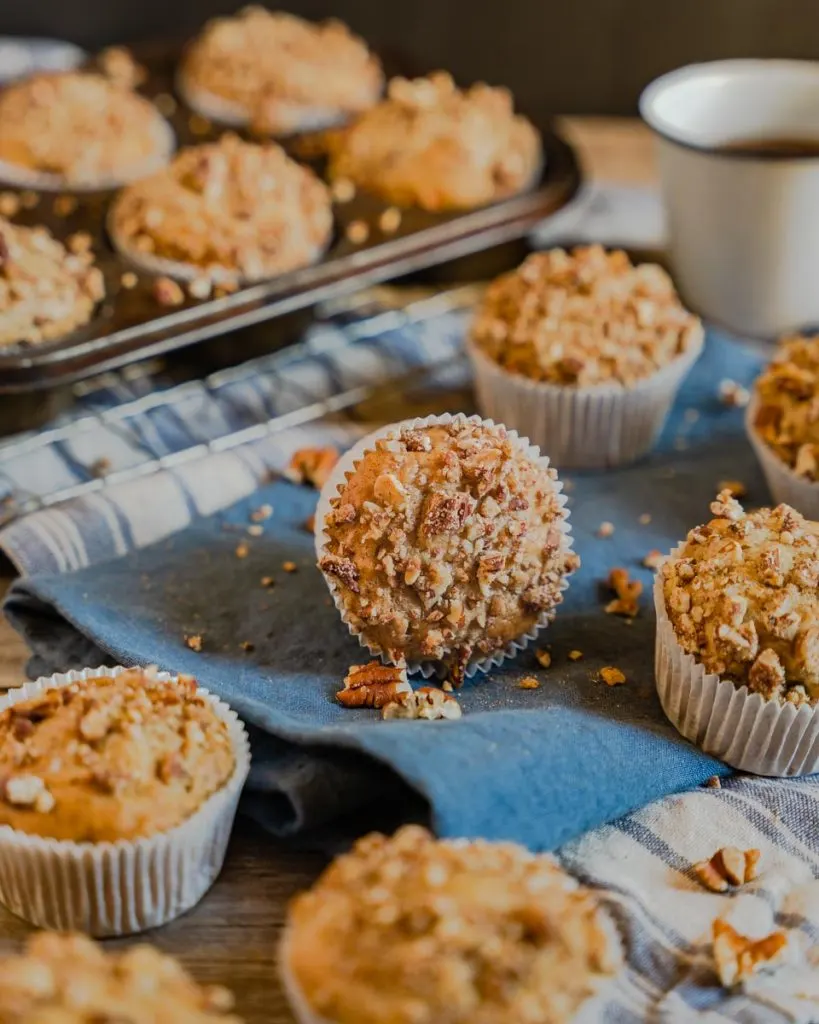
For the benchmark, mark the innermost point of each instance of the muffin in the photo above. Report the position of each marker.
(227, 210)
(432, 145)
(69, 979)
(584, 352)
(738, 638)
(279, 73)
(77, 130)
(783, 423)
(46, 291)
(445, 543)
(118, 793)
(410, 930)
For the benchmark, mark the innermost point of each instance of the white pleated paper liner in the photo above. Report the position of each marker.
(109, 889)
(743, 729)
(785, 485)
(292, 117)
(335, 483)
(582, 428)
(25, 177)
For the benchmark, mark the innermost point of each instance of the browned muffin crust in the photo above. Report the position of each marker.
(447, 541)
(111, 758)
(274, 68)
(584, 318)
(228, 208)
(45, 290)
(415, 931)
(69, 979)
(432, 145)
(787, 405)
(81, 127)
(742, 597)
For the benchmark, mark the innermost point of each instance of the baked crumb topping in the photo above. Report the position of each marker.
(432, 145)
(742, 597)
(259, 59)
(110, 758)
(415, 931)
(786, 416)
(445, 542)
(45, 290)
(584, 318)
(81, 126)
(72, 980)
(227, 207)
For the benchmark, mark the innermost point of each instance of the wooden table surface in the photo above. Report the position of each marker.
(231, 936)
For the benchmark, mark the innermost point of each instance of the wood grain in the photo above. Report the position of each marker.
(231, 937)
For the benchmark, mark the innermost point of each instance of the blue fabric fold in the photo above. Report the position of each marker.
(538, 766)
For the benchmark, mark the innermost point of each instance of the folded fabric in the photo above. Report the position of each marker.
(540, 766)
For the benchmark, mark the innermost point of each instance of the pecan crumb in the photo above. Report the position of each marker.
(357, 232)
(654, 559)
(644, 519)
(736, 957)
(129, 280)
(242, 550)
(255, 530)
(290, 567)
(714, 782)
(612, 676)
(343, 569)
(605, 529)
(733, 394)
(64, 206)
(736, 488)
(627, 590)
(575, 655)
(529, 683)
(200, 288)
(373, 685)
(729, 866)
(168, 292)
(311, 466)
(9, 204)
(342, 190)
(427, 703)
(390, 220)
(24, 790)
(309, 524)
(194, 642)
(258, 515)
(247, 646)
(544, 658)
(267, 581)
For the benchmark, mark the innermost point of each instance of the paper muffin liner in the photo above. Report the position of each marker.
(294, 117)
(784, 484)
(128, 886)
(581, 428)
(24, 177)
(728, 722)
(345, 467)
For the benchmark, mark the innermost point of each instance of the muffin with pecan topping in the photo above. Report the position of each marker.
(78, 130)
(583, 352)
(71, 980)
(109, 782)
(783, 423)
(278, 72)
(227, 210)
(409, 929)
(738, 637)
(445, 541)
(46, 291)
(432, 145)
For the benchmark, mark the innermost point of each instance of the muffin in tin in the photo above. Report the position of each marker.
(72, 980)
(583, 352)
(279, 73)
(227, 210)
(117, 797)
(78, 130)
(738, 637)
(408, 929)
(445, 543)
(46, 290)
(433, 145)
(783, 423)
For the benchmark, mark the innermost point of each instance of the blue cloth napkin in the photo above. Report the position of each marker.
(538, 766)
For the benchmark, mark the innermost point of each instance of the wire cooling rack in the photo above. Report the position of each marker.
(62, 461)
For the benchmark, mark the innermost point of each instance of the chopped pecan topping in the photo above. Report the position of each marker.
(311, 466)
(544, 658)
(373, 685)
(427, 703)
(95, 724)
(627, 590)
(612, 676)
(447, 513)
(729, 866)
(343, 569)
(529, 683)
(343, 513)
(416, 441)
(736, 957)
(27, 791)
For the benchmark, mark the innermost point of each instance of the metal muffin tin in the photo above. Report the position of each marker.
(131, 325)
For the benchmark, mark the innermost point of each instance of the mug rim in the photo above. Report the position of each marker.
(678, 76)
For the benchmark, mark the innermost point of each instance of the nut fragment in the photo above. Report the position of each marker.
(729, 866)
(426, 703)
(94, 725)
(627, 591)
(390, 220)
(258, 515)
(311, 466)
(342, 190)
(736, 488)
(714, 782)
(605, 529)
(242, 550)
(117, 64)
(612, 676)
(529, 683)
(654, 559)
(24, 790)
(544, 658)
(737, 957)
(290, 567)
(373, 685)
(168, 292)
(194, 642)
(358, 232)
(64, 206)
(129, 280)
(733, 394)
(575, 655)
(200, 288)
(644, 519)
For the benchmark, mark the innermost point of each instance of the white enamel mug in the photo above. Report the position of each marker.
(744, 227)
